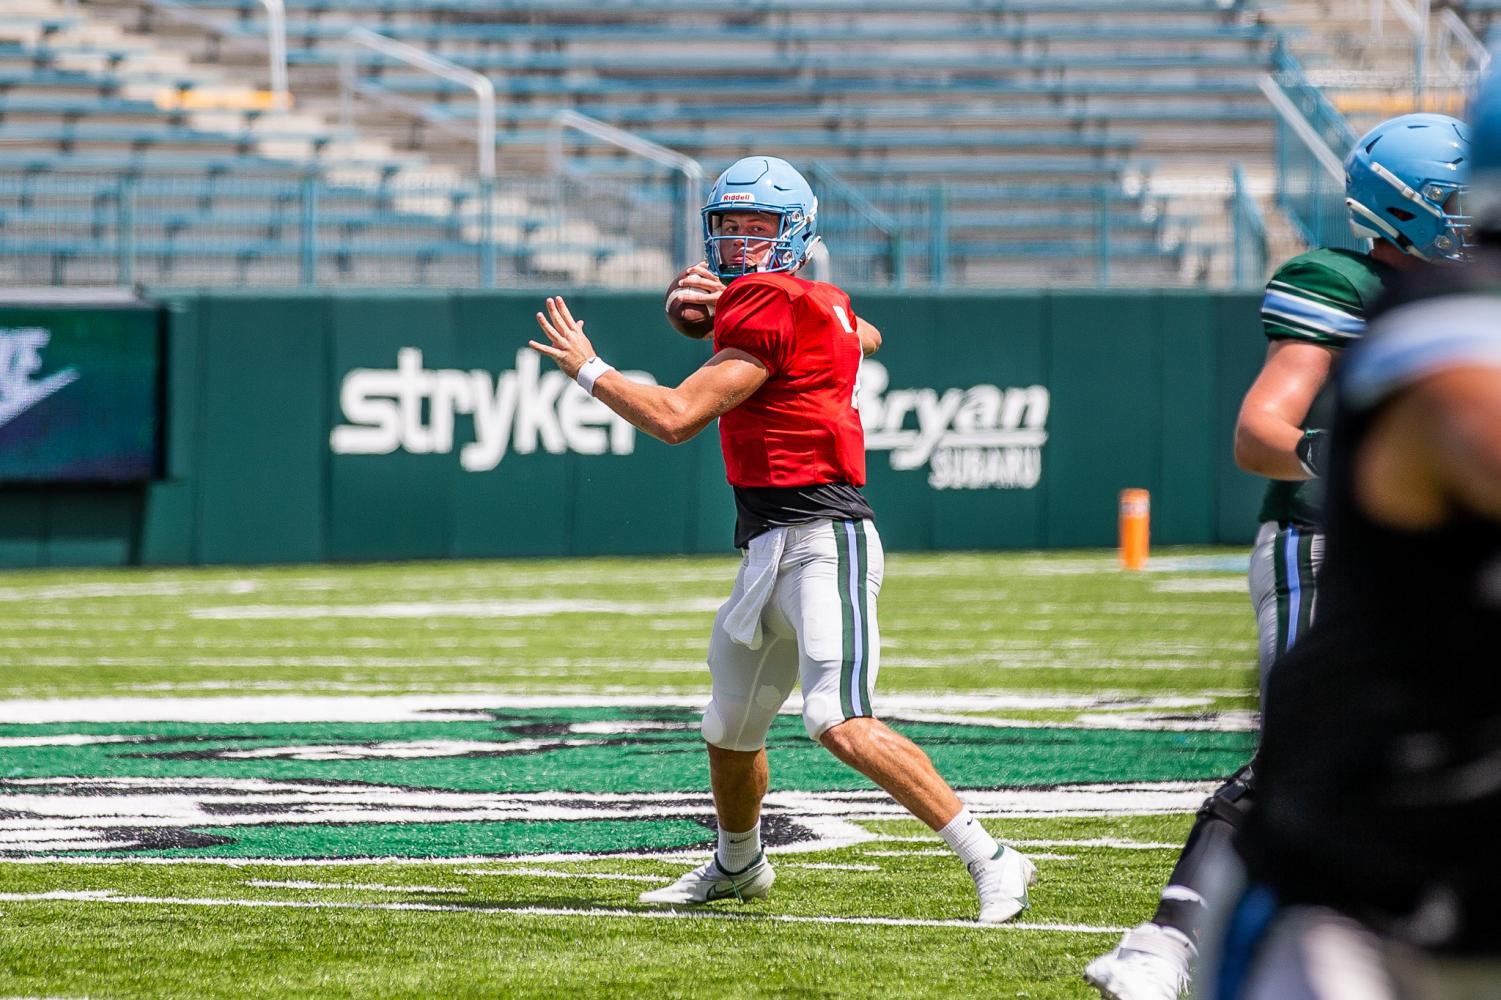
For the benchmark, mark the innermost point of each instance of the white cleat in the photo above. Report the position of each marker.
(709, 882)
(1002, 884)
(1150, 963)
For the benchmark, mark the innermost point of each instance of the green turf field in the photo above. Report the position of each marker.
(453, 779)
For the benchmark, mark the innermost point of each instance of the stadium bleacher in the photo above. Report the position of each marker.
(997, 110)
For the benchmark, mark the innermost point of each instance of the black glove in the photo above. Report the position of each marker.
(1313, 451)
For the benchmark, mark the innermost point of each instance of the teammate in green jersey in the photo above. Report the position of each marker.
(1370, 858)
(1403, 183)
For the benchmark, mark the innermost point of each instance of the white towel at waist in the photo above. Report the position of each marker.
(742, 618)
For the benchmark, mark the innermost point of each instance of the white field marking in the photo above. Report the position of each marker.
(396, 749)
(1110, 842)
(456, 609)
(1209, 585)
(1201, 564)
(686, 857)
(1084, 662)
(1238, 720)
(61, 740)
(831, 866)
(153, 588)
(46, 815)
(1068, 567)
(1229, 721)
(263, 661)
(890, 838)
(623, 726)
(478, 706)
(907, 854)
(554, 873)
(355, 886)
(108, 896)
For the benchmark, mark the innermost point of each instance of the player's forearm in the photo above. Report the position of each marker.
(1266, 444)
(654, 409)
(870, 337)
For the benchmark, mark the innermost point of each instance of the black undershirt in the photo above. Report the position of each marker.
(760, 508)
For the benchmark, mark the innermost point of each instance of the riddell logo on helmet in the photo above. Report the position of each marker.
(739, 196)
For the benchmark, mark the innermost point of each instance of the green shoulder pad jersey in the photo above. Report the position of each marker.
(1320, 297)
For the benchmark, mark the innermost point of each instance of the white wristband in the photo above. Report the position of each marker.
(591, 371)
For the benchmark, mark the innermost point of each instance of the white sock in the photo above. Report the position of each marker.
(738, 851)
(968, 839)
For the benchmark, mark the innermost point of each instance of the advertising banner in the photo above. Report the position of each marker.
(79, 394)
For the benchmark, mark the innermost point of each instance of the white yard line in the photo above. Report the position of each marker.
(554, 873)
(455, 609)
(1110, 842)
(459, 707)
(107, 896)
(905, 854)
(355, 886)
(479, 859)
(830, 866)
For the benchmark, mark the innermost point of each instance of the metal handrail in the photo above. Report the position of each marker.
(1406, 12)
(1249, 234)
(276, 46)
(1460, 34)
(868, 211)
(691, 169)
(1290, 114)
(484, 89)
(1450, 31)
(275, 42)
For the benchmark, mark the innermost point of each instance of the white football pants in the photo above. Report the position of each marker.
(817, 627)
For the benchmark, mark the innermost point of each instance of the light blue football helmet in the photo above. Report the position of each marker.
(1485, 125)
(761, 184)
(1399, 182)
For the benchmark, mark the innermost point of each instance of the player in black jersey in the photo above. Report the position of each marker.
(1371, 854)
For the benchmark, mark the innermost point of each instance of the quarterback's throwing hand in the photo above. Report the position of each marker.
(568, 346)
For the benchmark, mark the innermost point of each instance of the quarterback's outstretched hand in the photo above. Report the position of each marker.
(569, 347)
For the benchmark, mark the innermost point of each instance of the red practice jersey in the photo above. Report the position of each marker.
(801, 427)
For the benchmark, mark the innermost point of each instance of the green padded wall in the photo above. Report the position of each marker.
(401, 425)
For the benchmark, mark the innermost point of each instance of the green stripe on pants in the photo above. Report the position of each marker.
(847, 616)
(1306, 588)
(862, 599)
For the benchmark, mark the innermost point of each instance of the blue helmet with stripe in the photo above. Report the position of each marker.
(1405, 182)
(1485, 125)
(763, 184)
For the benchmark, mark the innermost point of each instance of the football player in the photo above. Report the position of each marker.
(1371, 850)
(1405, 180)
(803, 609)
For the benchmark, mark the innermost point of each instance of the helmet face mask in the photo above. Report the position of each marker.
(1406, 182)
(759, 185)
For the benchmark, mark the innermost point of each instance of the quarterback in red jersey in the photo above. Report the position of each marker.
(781, 383)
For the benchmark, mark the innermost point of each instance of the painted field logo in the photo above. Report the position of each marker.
(983, 437)
(506, 782)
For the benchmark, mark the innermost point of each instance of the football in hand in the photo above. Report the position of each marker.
(691, 319)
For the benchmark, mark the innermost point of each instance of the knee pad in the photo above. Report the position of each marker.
(1232, 801)
(821, 712)
(737, 725)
